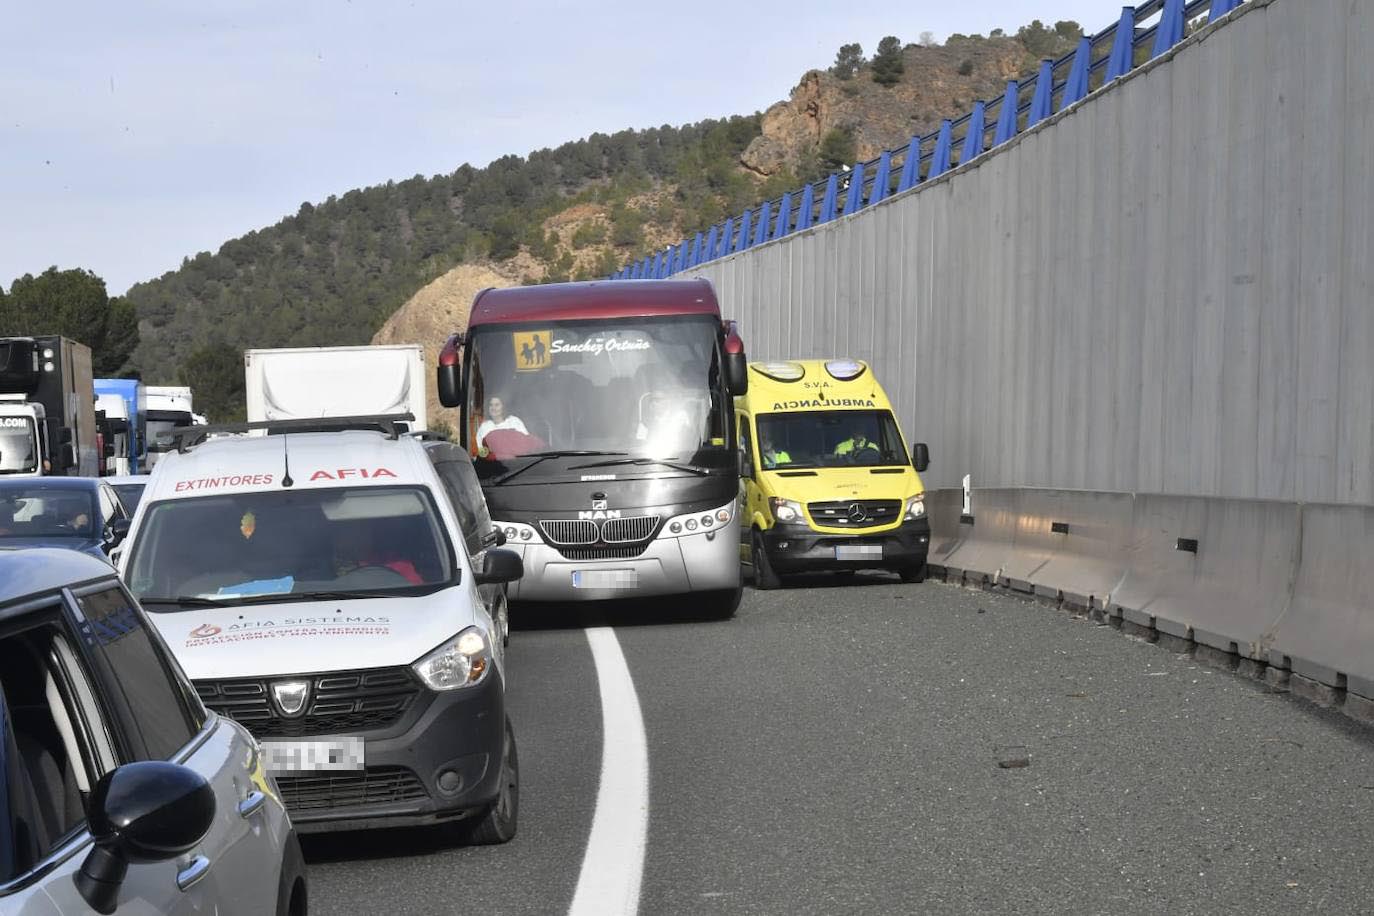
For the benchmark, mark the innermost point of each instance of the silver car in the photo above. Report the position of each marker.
(119, 792)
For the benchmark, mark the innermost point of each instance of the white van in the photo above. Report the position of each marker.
(321, 588)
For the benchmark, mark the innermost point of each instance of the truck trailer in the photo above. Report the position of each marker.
(169, 408)
(314, 382)
(47, 408)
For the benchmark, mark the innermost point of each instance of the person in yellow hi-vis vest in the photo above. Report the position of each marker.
(857, 442)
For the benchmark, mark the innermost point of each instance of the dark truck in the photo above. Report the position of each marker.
(47, 408)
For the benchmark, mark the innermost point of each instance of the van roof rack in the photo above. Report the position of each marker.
(187, 437)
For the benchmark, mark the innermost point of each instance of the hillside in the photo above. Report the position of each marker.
(389, 260)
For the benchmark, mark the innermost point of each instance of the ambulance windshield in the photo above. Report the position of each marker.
(290, 545)
(829, 438)
(639, 386)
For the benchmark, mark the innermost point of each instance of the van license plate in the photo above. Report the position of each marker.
(859, 552)
(306, 756)
(605, 578)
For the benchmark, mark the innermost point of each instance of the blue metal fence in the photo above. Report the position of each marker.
(1097, 60)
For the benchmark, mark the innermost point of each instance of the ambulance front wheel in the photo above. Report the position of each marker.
(764, 576)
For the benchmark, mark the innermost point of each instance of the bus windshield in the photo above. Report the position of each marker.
(830, 438)
(646, 387)
(18, 446)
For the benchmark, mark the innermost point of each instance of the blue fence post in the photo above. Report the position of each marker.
(1077, 86)
(765, 217)
(1042, 103)
(726, 235)
(808, 203)
(665, 269)
(1170, 30)
(653, 268)
(784, 215)
(709, 252)
(1006, 118)
(911, 166)
(1123, 45)
(973, 137)
(640, 266)
(694, 253)
(881, 178)
(1221, 8)
(743, 240)
(944, 144)
(832, 189)
(854, 197)
(679, 252)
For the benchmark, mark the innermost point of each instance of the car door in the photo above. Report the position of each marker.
(149, 712)
(464, 493)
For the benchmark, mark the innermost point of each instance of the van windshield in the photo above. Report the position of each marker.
(830, 438)
(293, 545)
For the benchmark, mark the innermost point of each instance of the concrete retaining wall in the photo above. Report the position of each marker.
(1165, 288)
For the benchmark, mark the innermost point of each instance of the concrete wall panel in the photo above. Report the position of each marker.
(1166, 288)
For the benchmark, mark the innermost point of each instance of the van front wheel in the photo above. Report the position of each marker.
(764, 576)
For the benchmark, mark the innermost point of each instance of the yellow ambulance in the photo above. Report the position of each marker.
(826, 479)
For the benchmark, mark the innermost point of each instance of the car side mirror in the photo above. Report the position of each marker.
(499, 536)
(920, 457)
(149, 811)
(115, 533)
(499, 566)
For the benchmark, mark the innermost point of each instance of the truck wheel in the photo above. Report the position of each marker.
(764, 576)
(497, 824)
(913, 573)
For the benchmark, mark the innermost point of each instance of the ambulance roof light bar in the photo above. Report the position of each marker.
(187, 437)
(844, 370)
(782, 370)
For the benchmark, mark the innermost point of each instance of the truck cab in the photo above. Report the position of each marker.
(47, 410)
(169, 409)
(827, 482)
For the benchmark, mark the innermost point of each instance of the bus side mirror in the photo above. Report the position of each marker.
(449, 374)
(737, 374)
(920, 457)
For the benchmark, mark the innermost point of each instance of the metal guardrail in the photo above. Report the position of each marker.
(1156, 25)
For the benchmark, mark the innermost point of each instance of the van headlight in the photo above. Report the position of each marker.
(460, 662)
(785, 510)
(916, 507)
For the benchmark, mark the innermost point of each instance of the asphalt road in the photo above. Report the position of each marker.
(837, 748)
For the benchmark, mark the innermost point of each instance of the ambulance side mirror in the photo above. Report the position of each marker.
(920, 457)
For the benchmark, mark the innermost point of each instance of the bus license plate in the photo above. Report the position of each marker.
(305, 756)
(605, 578)
(859, 552)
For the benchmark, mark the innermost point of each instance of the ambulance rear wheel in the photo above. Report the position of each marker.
(764, 576)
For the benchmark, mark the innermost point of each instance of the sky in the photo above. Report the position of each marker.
(136, 133)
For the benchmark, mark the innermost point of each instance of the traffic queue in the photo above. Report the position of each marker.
(321, 594)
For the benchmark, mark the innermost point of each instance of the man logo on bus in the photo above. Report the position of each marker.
(533, 350)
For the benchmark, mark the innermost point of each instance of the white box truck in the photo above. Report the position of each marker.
(312, 382)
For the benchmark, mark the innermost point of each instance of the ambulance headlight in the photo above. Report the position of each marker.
(461, 662)
(785, 510)
(916, 507)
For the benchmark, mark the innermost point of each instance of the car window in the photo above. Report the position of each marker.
(745, 445)
(109, 506)
(54, 745)
(146, 698)
(465, 493)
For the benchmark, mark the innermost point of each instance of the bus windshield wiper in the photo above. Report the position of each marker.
(620, 462)
(540, 456)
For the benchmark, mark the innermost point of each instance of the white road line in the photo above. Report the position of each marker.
(614, 864)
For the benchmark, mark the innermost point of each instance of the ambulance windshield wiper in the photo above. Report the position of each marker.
(620, 462)
(540, 456)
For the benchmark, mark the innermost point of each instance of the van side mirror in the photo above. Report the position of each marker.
(498, 536)
(149, 811)
(499, 566)
(920, 457)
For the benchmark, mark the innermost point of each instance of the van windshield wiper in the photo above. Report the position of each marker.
(621, 462)
(540, 456)
(183, 601)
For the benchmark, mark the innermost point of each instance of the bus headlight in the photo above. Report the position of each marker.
(785, 510)
(461, 662)
(916, 507)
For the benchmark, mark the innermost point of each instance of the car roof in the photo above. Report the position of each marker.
(119, 480)
(29, 571)
(249, 464)
(56, 483)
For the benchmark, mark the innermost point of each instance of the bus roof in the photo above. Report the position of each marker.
(592, 300)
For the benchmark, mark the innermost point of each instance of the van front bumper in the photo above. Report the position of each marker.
(441, 763)
(799, 548)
